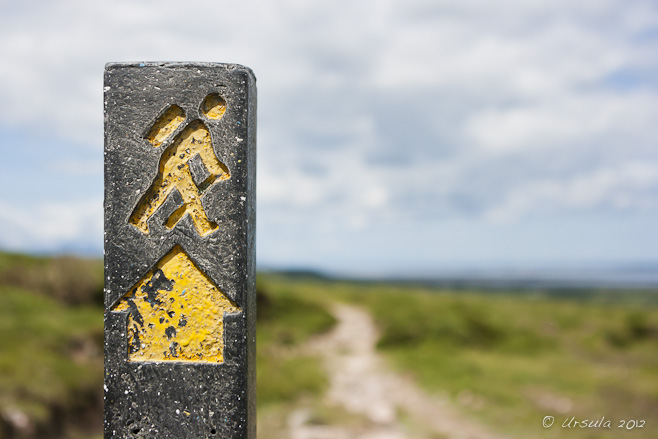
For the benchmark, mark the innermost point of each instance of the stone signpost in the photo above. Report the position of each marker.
(180, 305)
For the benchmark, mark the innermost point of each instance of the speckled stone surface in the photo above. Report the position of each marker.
(180, 399)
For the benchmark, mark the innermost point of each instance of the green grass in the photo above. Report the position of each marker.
(510, 360)
(52, 355)
(69, 279)
(285, 321)
(520, 360)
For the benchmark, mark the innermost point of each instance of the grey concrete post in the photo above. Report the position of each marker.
(180, 266)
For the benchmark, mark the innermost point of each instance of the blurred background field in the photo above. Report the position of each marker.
(503, 358)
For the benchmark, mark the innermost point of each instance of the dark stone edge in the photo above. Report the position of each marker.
(180, 64)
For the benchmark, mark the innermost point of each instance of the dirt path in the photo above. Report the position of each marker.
(361, 383)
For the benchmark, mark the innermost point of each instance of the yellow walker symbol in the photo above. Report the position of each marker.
(189, 165)
(176, 313)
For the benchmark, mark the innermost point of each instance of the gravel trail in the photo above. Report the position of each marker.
(362, 384)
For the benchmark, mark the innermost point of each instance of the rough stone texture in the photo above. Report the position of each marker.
(171, 399)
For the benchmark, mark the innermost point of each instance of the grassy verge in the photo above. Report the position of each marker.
(510, 360)
(513, 361)
(51, 364)
(68, 279)
(286, 319)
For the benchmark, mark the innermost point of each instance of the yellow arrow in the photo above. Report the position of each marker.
(176, 313)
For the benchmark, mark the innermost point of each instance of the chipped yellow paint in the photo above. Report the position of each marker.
(165, 126)
(174, 172)
(213, 106)
(176, 313)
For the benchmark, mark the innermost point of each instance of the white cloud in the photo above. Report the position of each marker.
(628, 186)
(52, 225)
(566, 121)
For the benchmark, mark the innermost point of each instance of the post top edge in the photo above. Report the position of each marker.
(179, 64)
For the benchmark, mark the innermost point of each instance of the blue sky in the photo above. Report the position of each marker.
(394, 136)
